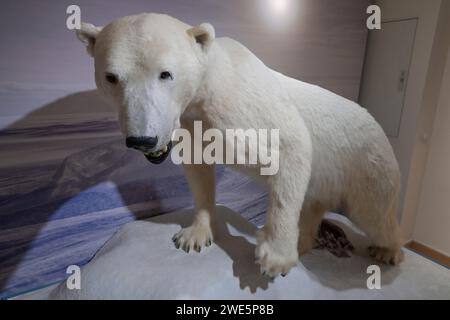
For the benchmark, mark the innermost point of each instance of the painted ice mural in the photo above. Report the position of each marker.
(67, 183)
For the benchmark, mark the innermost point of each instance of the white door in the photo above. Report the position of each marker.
(386, 70)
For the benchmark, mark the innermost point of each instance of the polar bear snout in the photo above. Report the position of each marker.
(144, 144)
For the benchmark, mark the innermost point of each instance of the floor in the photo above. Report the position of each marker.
(227, 269)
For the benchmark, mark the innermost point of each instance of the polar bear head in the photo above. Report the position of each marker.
(150, 67)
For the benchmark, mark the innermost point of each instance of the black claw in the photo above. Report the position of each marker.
(283, 275)
(177, 245)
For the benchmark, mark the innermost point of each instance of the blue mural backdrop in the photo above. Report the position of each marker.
(68, 182)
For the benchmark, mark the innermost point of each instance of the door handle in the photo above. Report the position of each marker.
(402, 80)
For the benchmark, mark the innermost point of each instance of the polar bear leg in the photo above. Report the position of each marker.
(276, 249)
(380, 224)
(310, 218)
(201, 178)
(387, 241)
(277, 242)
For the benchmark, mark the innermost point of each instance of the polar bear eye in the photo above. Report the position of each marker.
(165, 75)
(111, 78)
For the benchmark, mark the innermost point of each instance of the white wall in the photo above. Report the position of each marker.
(425, 216)
(426, 116)
(404, 145)
(432, 226)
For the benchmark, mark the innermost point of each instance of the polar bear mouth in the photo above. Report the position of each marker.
(159, 156)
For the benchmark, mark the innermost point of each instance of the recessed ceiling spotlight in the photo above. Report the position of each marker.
(279, 6)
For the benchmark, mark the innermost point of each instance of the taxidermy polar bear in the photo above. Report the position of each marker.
(163, 74)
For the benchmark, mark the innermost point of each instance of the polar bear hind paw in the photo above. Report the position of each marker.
(386, 255)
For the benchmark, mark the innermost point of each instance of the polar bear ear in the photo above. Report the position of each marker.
(203, 34)
(88, 34)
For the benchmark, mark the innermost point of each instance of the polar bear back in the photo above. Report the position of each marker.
(350, 149)
(349, 146)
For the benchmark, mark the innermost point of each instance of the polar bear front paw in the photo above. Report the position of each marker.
(274, 257)
(193, 237)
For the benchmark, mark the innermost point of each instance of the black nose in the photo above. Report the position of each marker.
(141, 143)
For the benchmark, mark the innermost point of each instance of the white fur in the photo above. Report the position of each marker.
(333, 154)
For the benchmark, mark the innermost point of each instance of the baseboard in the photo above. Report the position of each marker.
(429, 253)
